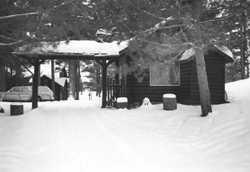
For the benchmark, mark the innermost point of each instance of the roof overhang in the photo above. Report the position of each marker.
(72, 50)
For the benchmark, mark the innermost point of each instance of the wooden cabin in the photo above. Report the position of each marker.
(179, 79)
(61, 86)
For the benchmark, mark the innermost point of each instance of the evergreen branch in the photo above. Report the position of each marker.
(227, 17)
(19, 15)
(144, 11)
(5, 37)
(164, 45)
(161, 28)
(62, 4)
(12, 43)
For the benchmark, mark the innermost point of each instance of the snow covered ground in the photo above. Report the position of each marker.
(79, 136)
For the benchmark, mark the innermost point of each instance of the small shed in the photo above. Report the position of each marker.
(61, 86)
(179, 78)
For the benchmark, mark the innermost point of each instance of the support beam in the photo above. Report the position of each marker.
(77, 74)
(72, 79)
(35, 84)
(104, 83)
(53, 77)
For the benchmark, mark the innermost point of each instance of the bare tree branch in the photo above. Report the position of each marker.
(12, 43)
(164, 45)
(229, 16)
(144, 11)
(19, 15)
(5, 37)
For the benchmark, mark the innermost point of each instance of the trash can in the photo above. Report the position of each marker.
(16, 109)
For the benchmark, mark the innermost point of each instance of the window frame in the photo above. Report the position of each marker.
(157, 65)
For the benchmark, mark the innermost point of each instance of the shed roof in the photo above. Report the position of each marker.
(223, 51)
(61, 81)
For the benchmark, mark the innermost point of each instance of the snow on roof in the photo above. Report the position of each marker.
(224, 50)
(85, 47)
(187, 54)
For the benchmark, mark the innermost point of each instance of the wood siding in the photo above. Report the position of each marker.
(189, 89)
(187, 92)
(154, 93)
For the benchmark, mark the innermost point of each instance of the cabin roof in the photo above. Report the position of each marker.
(223, 51)
(61, 81)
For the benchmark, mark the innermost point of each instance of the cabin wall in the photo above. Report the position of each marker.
(189, 89)
(136, 89)
(215, 66)
(185, 83)
(154, 93)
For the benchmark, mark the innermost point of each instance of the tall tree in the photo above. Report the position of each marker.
(230, 29)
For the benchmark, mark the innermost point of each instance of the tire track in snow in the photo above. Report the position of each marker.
(125, 148)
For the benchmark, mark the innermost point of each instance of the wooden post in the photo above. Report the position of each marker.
(71, 79)
(35, 84)
(104, 83)
(53, 78)
(77, 79)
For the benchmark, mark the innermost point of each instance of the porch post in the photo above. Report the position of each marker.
(35, 84)
(104, 83)
(72, 80)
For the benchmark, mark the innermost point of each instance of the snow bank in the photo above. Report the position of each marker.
(80, 136)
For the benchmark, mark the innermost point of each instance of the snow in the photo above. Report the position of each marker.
(225, 50)
(191, 51)
(86, 47)
(122, 99)
(187, 54)
(79, 136)
(169, 96)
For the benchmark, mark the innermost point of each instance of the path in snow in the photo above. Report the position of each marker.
(61, 138)
(79, 136)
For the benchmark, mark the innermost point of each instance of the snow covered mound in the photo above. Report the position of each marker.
(238, 89)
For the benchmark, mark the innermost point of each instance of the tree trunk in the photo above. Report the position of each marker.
(203, 82)
(2, 79)
(243, 44)
(200, 64)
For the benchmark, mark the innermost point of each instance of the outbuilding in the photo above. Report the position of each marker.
(179, 78)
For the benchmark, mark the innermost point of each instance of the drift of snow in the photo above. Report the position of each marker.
(77, 136)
